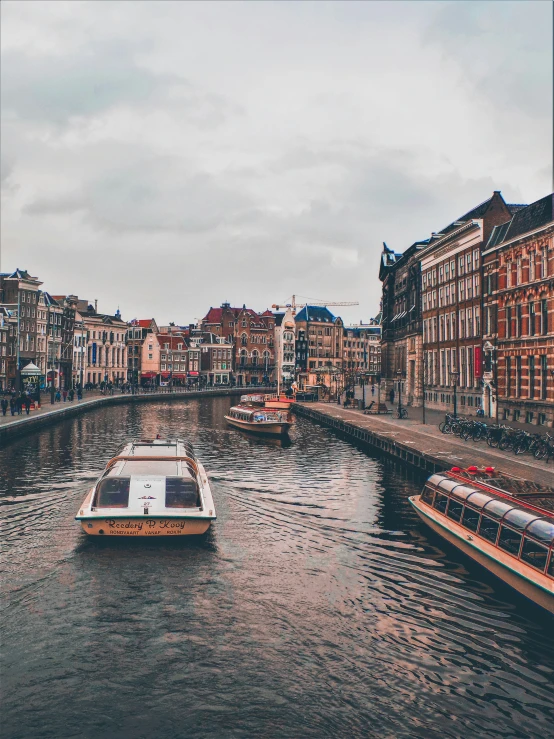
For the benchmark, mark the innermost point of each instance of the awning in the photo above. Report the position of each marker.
(148, 375)
(193, 374)
(180, 376)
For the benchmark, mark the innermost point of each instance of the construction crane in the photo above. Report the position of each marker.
(294, 305)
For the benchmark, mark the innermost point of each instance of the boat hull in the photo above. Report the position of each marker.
(533, 585)
(266, 429)
(145, 526)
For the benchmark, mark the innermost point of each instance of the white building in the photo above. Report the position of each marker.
(285, 345)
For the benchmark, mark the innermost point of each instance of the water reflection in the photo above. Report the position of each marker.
(317, 606)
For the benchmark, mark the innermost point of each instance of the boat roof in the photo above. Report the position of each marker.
(158, 448)
(520, 493)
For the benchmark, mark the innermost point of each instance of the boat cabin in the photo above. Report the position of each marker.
(258, 415)
(150, 476)
(511, 514)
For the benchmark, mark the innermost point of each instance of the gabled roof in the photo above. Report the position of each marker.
(525, 220)
(316, 314)
(214, 315)
(267, 313)
(172, 340)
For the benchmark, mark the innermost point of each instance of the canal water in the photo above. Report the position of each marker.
(318, 606)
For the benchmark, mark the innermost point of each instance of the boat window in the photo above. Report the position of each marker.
(542, 530)
(519, 519)
(181, 493)
(488, 529)
(497, 509)
(478, 500)
(455, 510)
(471, 519)
(509, 540)
(447, 485)
(427, 495)
(551, 565)
(462, 492)
(440, 502)
(534, 554)
(112, 492)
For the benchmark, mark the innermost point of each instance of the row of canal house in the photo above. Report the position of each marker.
(470, 310)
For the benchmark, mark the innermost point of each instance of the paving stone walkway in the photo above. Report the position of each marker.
(450, 449)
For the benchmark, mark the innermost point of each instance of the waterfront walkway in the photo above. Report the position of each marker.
(11, 426)
(444, 450)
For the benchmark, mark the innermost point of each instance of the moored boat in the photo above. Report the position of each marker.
(504, 523)
(152, 487)
(260, 420)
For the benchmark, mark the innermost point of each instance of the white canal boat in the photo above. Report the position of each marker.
(152, 487)
(267, 421)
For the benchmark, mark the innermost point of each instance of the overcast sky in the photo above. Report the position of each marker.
(167, 156)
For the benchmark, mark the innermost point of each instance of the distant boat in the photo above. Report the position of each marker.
(260, 420)
(152, 487)
(504, 523)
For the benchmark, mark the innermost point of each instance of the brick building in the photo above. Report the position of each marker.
(254, 342)
(324, 335)
(401, 339)
(519, 316)
(20, 291)
(452, 310)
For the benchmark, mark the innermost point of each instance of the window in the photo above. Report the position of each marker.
(531, 267)
(544, 263)
(112, 492)
(471, 519)
(455, 510)
(531, 364)
(518, 320)
(441, 502)
(488, 529)
(181, 493)
(518, 271)
(544, 376)
(531, 311)
(509, 540)
(508, 376)
(544, 317)
(508, 321)
(534, 554)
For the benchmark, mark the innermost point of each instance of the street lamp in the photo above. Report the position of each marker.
(399, 376)
(454, 376)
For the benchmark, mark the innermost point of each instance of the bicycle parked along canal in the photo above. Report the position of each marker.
(500, 436)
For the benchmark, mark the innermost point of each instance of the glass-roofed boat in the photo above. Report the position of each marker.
(152, 487)
(260, 420)
(504, 523)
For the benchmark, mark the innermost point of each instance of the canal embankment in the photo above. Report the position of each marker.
(421, 446)
(12, 427)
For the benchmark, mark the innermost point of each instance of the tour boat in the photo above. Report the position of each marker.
(260, 420)
(275, 401)
(153, 487)
(504, 523)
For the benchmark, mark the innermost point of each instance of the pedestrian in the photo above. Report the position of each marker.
(79, 394)
(13, 405)
(71, 395)
(58, 396)
(27, 403)
(373, 389)
(19, 403)
(4, 406)
(64, 394)
(391, 396)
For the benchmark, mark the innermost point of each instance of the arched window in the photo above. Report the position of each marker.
(244, 339)
(255, 357)
(242, 357)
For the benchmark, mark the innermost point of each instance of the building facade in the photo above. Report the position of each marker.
(285, 346)
(452, 308)
(362, 350)
(19, 292)
(254, 342)
(137, 333)
(401, 325)
(519, 317)
(106, 360)
(323, 333)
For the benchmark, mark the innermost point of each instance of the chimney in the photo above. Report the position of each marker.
(96, 305)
